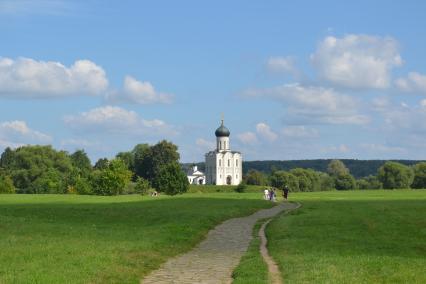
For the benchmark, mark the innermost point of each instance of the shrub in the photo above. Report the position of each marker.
(370, 182)
(142, 186)
(6, 185)
(112, 180)
(344, 182)
(83, 186)
(241, 187)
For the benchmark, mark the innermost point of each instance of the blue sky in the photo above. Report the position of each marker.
(294, 79)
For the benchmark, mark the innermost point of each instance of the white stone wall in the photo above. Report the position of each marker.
(222, 144)
(221, 166)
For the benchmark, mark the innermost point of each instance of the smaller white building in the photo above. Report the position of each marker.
(196, 177)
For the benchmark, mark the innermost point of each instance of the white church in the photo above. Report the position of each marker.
(223, 166)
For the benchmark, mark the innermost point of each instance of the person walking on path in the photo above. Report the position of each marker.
(266, 194)
(285, 192)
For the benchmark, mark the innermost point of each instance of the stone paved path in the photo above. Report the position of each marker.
(214, 259)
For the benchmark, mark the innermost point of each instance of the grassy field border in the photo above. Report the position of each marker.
(252, 268)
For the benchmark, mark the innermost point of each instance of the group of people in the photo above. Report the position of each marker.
(270, 194)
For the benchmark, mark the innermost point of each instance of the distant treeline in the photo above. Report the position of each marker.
(358, 168)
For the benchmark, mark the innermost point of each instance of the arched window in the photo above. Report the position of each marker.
(236, 163)
(220, 145)
(229, 163)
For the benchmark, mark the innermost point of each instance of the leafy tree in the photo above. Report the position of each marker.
(308, 179)
(83, 186)
(155, 157)
(280, 179)
(6, 184)
(139, 153)
(254, 177)
(326, 182)
(128, 159)
(336, 168)
(395, 175)
(41, 165)
(101, 164)
(419, 175)
(171, 179)
(344, 182)
(112, 180)
(370, 182)
(81, 161)
(142, 186)
(50, 181)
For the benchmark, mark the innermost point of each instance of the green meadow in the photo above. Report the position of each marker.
(335, 237)
(81, 239)
(352, 237)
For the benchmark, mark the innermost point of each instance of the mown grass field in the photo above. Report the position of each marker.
(352, 237)
(82, 239)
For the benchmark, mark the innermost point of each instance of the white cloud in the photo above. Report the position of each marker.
(265, 132)
(17, 133)
(111, 119)
(357, 61)
(248, 137)
(314, 104)
(28, 78)
(138, 92)
(282, 64)
(413, 83)
(300, 131)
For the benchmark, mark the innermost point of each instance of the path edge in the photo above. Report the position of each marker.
(273, 269)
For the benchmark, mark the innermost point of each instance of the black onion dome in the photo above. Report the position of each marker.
(222, 131)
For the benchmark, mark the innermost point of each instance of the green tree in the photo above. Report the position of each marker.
(171, 179)
(101, 164)
(309, 180)
(419, 175)
(128, 159)
(6, 184)
(142, 186)
(326, 182)
(29, 166)
(344, 182)
(280, 179)
(81, 161)
(370, 182)
(139, 159)
(255, 177)
(336, 168)
(112, 180)
(83, 186)
(155, 157)
(50, 181)
(394, 175)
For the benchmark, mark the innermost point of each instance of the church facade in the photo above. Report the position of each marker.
(223, 166)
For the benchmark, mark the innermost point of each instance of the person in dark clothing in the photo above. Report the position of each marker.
(285, 192)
